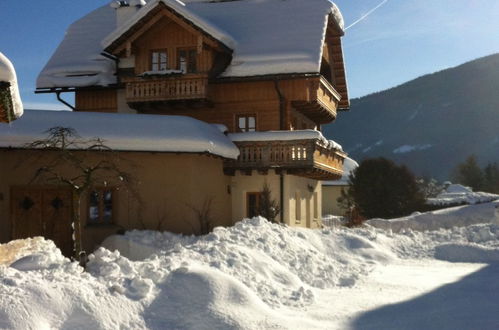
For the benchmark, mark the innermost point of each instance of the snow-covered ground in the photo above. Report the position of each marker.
(258, 275)
(458, 194)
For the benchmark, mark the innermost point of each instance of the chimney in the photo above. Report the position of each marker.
(126, 9)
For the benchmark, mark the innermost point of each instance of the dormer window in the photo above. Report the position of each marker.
(186, 60)
(159, 60)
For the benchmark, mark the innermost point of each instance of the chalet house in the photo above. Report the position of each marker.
(211, 100)
(331, 190)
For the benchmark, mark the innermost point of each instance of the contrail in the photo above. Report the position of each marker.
(363, 17)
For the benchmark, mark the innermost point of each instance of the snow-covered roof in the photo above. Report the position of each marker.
(124, 132)
(348, 166)
(8, 75)
(307, 134)
(78, 62)
(267, 37)
(178, 7)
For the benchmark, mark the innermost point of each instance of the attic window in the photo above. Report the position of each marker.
(186, 60)
(159, 60)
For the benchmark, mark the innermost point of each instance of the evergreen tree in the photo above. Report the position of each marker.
(268, 207)
(491, 178)
(468, 173)
(382, 189)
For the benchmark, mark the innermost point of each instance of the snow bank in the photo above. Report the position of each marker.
(467, 253)
(8, 75)
(128, 132)
(255, 275)
(446, 218)
(459, 194)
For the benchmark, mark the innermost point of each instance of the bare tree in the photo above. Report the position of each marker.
(70, 160)
(203, 216)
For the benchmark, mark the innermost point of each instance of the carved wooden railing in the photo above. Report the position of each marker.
(320, 101)
(327, 95)
(309, 158)
(166, 89)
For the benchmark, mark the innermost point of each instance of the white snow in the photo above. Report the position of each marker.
(410, 148)
(8, 74)
(308, 134)
(258, 275)
(181, 9)
(446, 218)
(127, 132)
(78, 61)
(260, 46)
(459, 194)
(349, 166)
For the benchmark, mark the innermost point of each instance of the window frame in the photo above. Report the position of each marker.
(151, 59)
(246, 117)
(190, 54)
(101, 205)
(258, 195)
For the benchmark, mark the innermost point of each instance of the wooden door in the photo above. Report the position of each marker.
(43, 211)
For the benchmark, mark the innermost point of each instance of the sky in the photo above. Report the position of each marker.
(397, 42)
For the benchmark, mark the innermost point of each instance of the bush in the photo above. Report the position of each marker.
(381, 189)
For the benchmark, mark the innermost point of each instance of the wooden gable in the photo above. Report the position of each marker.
(332, 55)
(158, 15)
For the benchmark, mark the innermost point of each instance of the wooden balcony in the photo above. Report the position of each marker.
(307, 158)
(163, 89)
(320, 101)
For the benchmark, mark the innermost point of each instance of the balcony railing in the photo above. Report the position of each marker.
(321, 101)
(308, 158)
(166, 89)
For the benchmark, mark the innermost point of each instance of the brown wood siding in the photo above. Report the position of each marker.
(166, 34)
(96, 100)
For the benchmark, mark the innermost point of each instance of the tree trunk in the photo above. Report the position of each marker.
(77, 225)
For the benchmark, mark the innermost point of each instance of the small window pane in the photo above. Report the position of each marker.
(251, 124)
(242, 123)
(108, 206)
(192, 66)
(93, 207)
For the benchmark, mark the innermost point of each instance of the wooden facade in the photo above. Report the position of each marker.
(168, 65)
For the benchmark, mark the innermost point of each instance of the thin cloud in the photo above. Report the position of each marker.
(363, 17)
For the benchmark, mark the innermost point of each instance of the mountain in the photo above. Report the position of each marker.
(430, 123)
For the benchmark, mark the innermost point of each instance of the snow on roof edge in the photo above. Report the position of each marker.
(8, 74)
(179, 7)
(308, 134)
(123, 132)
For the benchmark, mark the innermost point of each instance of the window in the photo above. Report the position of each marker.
(246, 123)
(159, 60)
(186, 60)
(100, 206)
(297, 207)
(253, 204)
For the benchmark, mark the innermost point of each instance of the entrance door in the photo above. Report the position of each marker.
(43, 211)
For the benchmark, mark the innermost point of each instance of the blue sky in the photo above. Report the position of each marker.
(401, 40)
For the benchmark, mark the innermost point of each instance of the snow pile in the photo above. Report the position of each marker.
(30, 248)
(8, 75)
(446, 218)
(277, 263)
(126, 132)
(459, 194)
(255, 275)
